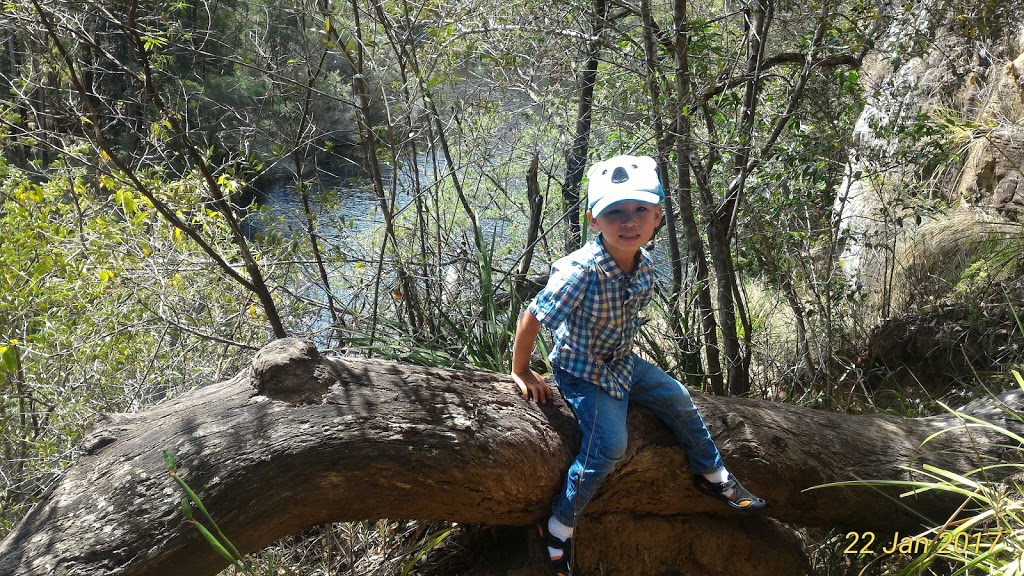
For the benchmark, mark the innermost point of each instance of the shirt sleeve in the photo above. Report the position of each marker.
(564, 292)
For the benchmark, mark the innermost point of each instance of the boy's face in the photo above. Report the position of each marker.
(626, 226)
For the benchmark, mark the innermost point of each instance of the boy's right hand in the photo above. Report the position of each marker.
(532, 386)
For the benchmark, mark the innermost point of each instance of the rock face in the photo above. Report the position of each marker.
(993, 174)
(976, 84)
(931, 326)
(349, 439)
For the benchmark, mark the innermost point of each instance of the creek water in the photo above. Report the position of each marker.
(349, 227)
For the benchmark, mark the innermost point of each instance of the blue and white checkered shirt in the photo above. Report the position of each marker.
(593, 309)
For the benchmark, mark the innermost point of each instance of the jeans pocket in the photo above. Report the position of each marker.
(568, 384)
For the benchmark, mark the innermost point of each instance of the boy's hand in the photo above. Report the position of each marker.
(532, 386)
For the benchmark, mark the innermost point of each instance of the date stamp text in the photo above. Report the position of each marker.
(951, 542)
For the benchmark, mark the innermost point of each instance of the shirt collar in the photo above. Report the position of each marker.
(607, 265)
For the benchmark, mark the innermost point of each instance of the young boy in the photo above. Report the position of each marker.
(592, 303)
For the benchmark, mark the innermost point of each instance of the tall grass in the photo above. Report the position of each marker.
(206, 525)
(473, 330)
(985, 536)
(991, 540)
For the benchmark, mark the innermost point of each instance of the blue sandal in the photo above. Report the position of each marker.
(740, 500)
(560, 565)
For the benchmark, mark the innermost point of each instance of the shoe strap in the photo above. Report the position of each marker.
(717, 487)
(552, 541)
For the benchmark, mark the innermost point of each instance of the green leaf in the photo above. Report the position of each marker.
(125, 199)
(9, 358)
(186, 509)
(433, 541)
(214, 543)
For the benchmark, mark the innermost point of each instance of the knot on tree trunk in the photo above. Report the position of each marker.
(291, 370)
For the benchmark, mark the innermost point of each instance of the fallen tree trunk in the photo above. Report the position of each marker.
(302, 440)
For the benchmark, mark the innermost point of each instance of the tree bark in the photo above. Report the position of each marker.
(302, 439)
(576, 158)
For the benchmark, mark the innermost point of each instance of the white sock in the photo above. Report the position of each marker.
(720, 476)
(560, 531)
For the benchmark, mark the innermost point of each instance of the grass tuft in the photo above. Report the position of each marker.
(986, 534)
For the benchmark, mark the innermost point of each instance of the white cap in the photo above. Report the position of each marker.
(623, 178)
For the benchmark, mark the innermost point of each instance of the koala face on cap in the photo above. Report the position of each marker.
(623, 178)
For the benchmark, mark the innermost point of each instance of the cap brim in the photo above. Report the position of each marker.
(634, 195)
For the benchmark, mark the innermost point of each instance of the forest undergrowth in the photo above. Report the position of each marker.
(118, 271)
(181, 183)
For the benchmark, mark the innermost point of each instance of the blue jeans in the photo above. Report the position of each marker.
(602, 421)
